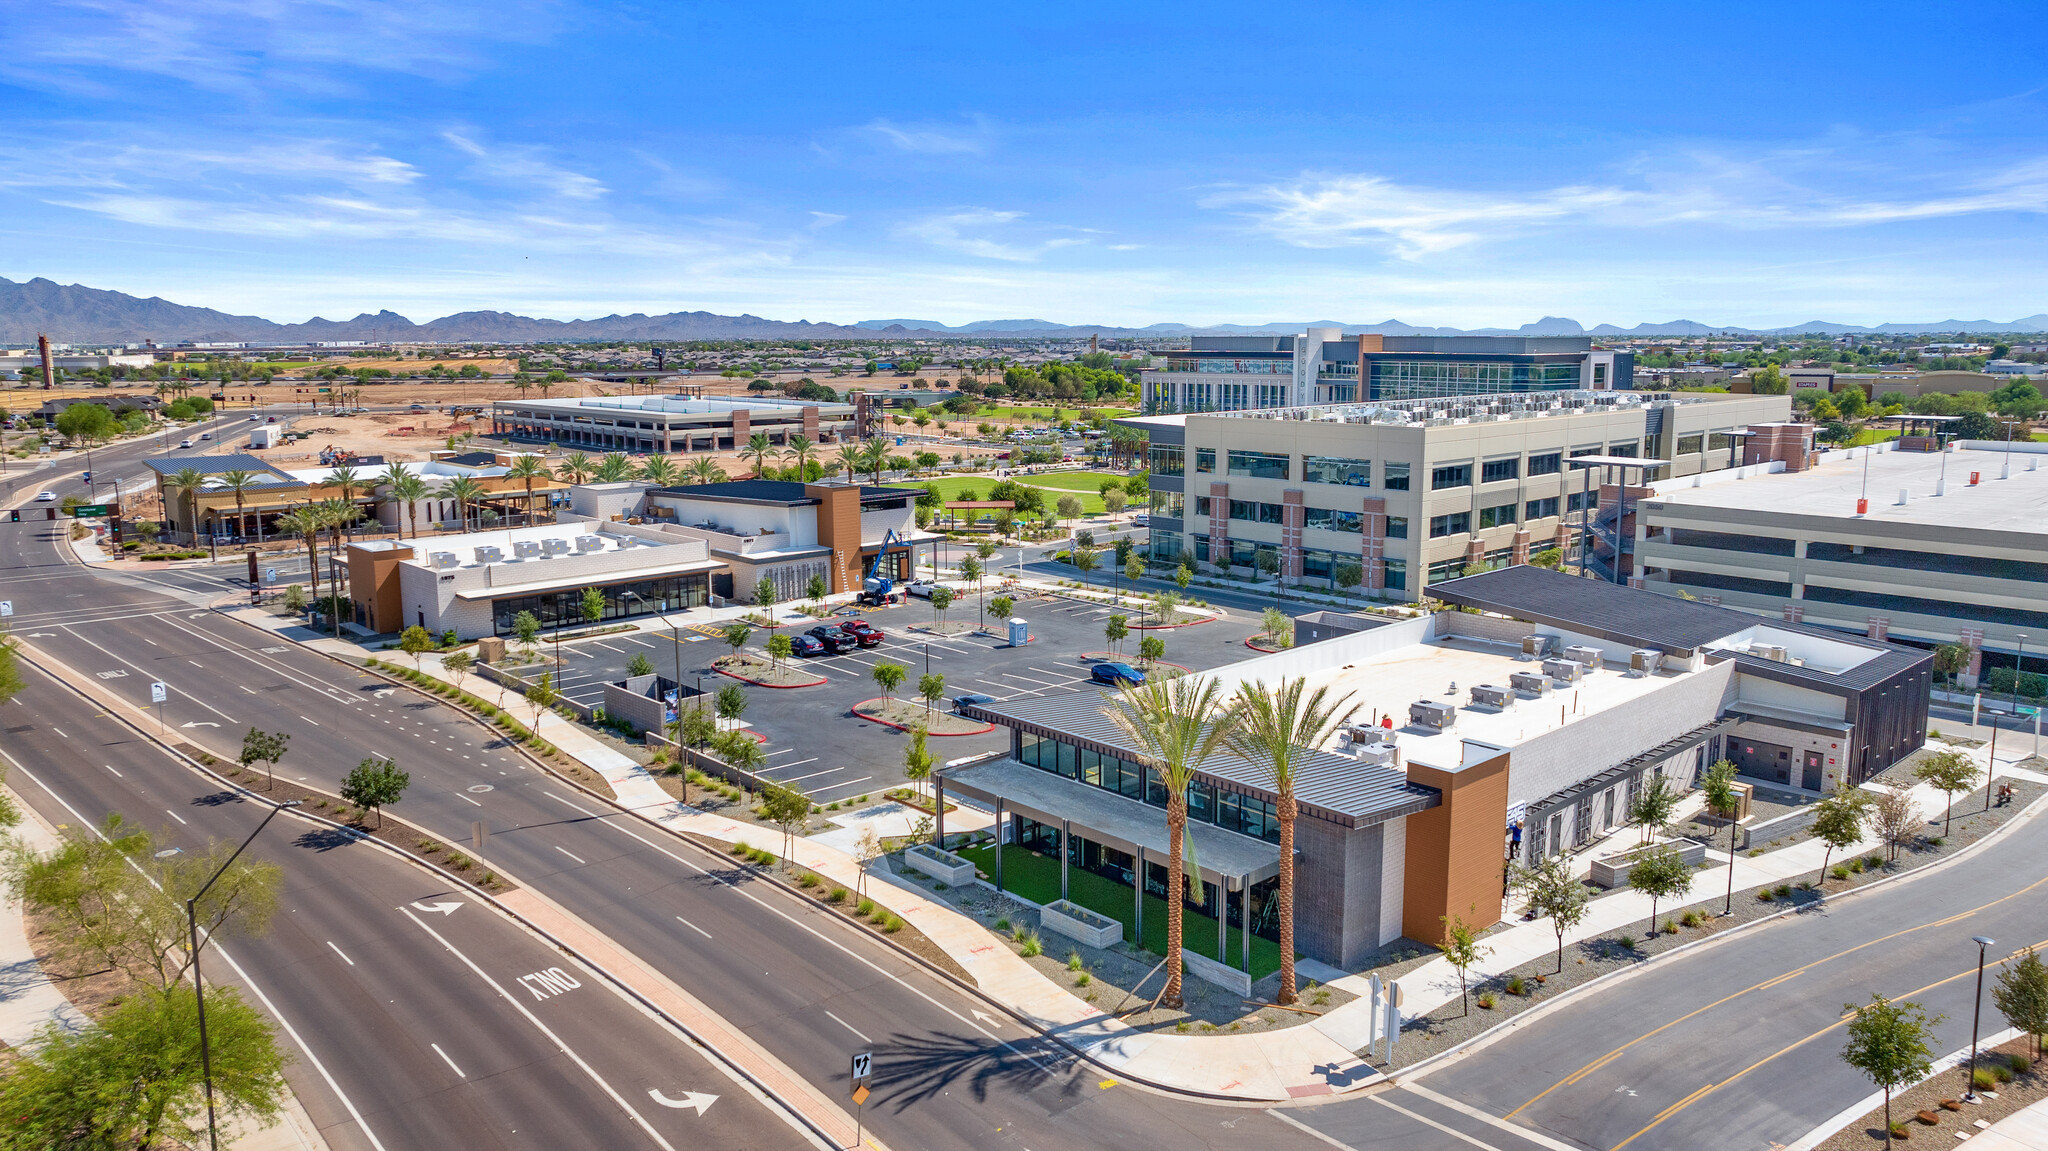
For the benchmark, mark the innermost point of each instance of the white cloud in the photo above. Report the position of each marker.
(826, 219)
(929, 140)
(967, 231)
(524, 167)
(1341, 210)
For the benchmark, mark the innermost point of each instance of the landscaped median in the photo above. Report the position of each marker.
(764, 673)
(499, 717)
(903, 715)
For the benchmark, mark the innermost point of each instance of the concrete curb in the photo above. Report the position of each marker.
(820, 682)
(856, 712)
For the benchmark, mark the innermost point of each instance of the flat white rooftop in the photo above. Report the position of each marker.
(670, 405)
(507, 540)
(2016, 503)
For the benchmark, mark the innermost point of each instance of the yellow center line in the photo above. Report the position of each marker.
(1668, 1112)
(1610, 1056)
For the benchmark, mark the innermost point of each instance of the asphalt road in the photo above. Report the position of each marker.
(401, 999)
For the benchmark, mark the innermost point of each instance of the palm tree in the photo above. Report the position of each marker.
(1174, 726)
(347, 479)
(1278, 729)
(659, 470)
(758, 449)
(851, 459)
(306, 522)
(238, 482)
(527, 469)
(186, 483)
(576, 467)
(615, 467)
(801, 449)
(409, 489)
(338, 515)
(464, 491)
(874, 456)
(705, 470)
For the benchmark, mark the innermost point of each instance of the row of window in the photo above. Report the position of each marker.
(1316, 563)
(1245, 814)
(1327, 519)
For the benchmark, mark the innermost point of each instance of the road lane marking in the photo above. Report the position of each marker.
(464, 798)
(60, 731)
(850, 1027)
(567, 852)
(1428, 1122)
(117, 774)
(344, 956)
(445, 1059)
(174, 815)
(693, 927)
(1463, 1108)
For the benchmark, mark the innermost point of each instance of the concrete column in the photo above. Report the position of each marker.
(1066, 836)
(1138, 897)
(811, 422)
(1973, 638)
(999, 844)
(1244, 894)
(1521, 547)
(1293, 516)
(939, 809)
(1219, 523)
(1222, 919)
(740, 428)
(1372, 548)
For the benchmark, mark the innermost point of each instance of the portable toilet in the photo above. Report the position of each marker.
(1020, 633)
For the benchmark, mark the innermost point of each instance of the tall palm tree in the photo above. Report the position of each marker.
(527, 469)
(705, 470)
(874, 456)
(464, 491)
(851, 459)
(758, 449)
(801, 449)
(615, 466)
(306, 522)
(339, 515)
(1174, 726)
(238, 482)
(576, 467)
(1279, 730)
(186, 484)
(659, 470)
(409, 489)
(347, 479)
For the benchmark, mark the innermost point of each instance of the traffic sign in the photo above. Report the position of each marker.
(6, 608)
(860, 1096)
(83, 511)
(158, 693)
(863, 1063)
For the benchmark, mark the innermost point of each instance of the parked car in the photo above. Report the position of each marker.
(1116, 674)
(806, 645)
(46, 497)
(1142, 519)
(834, 640)
(962, 701)
(921, 588)
(868, 634)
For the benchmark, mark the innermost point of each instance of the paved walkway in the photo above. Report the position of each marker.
(2025, 1131)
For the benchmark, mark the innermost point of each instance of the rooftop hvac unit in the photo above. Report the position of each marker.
(489, 555)
(1532, 682)
(1487, 693)
(554, 547)
(589, 543)
(526, 549)
(1379, 753)
(1769, 651)
(442, 561)
(1564, 670)
(1539, 646)
(1646, 661)
(1429, 713)
(1590, 656)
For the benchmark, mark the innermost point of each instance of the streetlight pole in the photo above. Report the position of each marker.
(199, 991)
(1976, 1015)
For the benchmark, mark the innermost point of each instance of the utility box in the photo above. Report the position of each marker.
(1539, 646)
(1429, 713)
(1020, 633)
(1535, 683)
(1592, 657)
(1645, 661)
(1493, 696)
(1564, 670)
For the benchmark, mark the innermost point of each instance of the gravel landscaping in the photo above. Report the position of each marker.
(765, 672)
(2025, 1089)
(913, 713)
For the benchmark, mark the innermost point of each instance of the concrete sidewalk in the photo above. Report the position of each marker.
(2025, 1131)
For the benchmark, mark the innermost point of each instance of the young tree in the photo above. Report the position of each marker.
(526, 626)
(1086, 560)
(970, 569)
(1660, 873)
(1114, 501)
(740, 751)
(942, 598)
(1896, 819)
(1003, 606)
(1068, 507)
(817, 589)
(931, 686)
(1553, 891)
(1950, 658)
(374, 783)
(889, 676)
(592, 604)
(295, 597)
(787, 807)
(266, 748)
(1174, 726)
(639, 665)
(1115, 630)
(1134, 568)
(1164, 604)
(541, 695)
(736, 636)
(1952, 773)
(1838, 821)
(731, 702)
(694, 727)
(1278, 627)
(764, 592)
(1183, 576)
(1347, 576)
(1718, 784)
(1151, 649)
(1654, 803)
(415, 642)
(1280, 729)
(1888, 1043)
(917, 760)
(866, 850)
(1461, 950)
(779, 646)
(2022, 995)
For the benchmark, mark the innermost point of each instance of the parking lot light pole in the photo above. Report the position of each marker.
(1976, 1015)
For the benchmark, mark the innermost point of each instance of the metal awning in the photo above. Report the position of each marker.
(1594, 784)
(1105, 817)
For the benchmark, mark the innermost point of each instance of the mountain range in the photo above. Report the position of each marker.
(75, 314)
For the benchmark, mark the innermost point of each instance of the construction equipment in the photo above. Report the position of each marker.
(878, 589)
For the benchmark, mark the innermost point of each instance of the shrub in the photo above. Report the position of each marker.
(1002, 925)
(1782, 891)
(892, 924)
(1839, 871)
(2003, 1072)
(1517, 985)
(1625, 942)
(489, 879)
(1690, 919)
(1029, 946)
(1873, 862)
(808, 879)
(428, 847)
(1854, 866)
(1936, 840)
(1074, 961)
(1984, 1080)
(2020, 1064)
(864, 908)
(740, 848)
(1670, 927)
(1485, 999)
(1083, 979)
(838, 895)
(1900, 1130)
(458, 861)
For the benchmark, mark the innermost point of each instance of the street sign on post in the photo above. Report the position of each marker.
(863, 1066)
(158, 693)
(86, 511)
(6, 608)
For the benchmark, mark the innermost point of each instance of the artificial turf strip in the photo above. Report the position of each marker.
(1037, 878)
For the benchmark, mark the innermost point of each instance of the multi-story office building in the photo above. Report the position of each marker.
(1325, 366)
(668, 423)
(1924, 547)
(1413, 492)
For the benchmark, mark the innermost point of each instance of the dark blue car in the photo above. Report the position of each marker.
(1116, 674)
(966, 701)
(805, 645)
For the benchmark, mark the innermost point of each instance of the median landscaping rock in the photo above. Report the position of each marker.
(765, 673)
(905, 714)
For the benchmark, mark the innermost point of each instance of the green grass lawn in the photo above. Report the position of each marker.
(1088, 482)
(1078, 484)
(1029, 412)
(1037, 878)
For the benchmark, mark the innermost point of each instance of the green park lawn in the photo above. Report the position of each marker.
(1080, 484)
(1029, 412)
(1037, 878)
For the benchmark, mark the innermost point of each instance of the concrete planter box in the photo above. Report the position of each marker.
(944, 866)
(1080, 924)
(1210, 971)
(1611, 871)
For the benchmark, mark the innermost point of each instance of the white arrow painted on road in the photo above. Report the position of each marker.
(197, 615)
(696, 1099)
(984, 1016)
(443, 908)
(380, 693)
(200, 723)
(41, 635)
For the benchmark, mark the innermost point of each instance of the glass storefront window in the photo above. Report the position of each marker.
(621, 601)
(1167, 460)
(1395, 574)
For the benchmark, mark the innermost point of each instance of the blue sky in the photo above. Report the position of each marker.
(1461, 164)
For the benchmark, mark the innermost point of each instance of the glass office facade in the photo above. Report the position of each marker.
(1207, 803)
(621, 601)
(1424, 379)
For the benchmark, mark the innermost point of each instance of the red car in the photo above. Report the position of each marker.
(861, 630)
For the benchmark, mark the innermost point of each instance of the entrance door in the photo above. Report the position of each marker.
(1809, 776)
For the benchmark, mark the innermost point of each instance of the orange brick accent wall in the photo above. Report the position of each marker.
(839, 529)
(373, 581)
(1454, 853)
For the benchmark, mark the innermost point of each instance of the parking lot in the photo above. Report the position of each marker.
(814, 739)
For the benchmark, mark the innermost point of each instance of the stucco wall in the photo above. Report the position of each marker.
(1588, 746)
